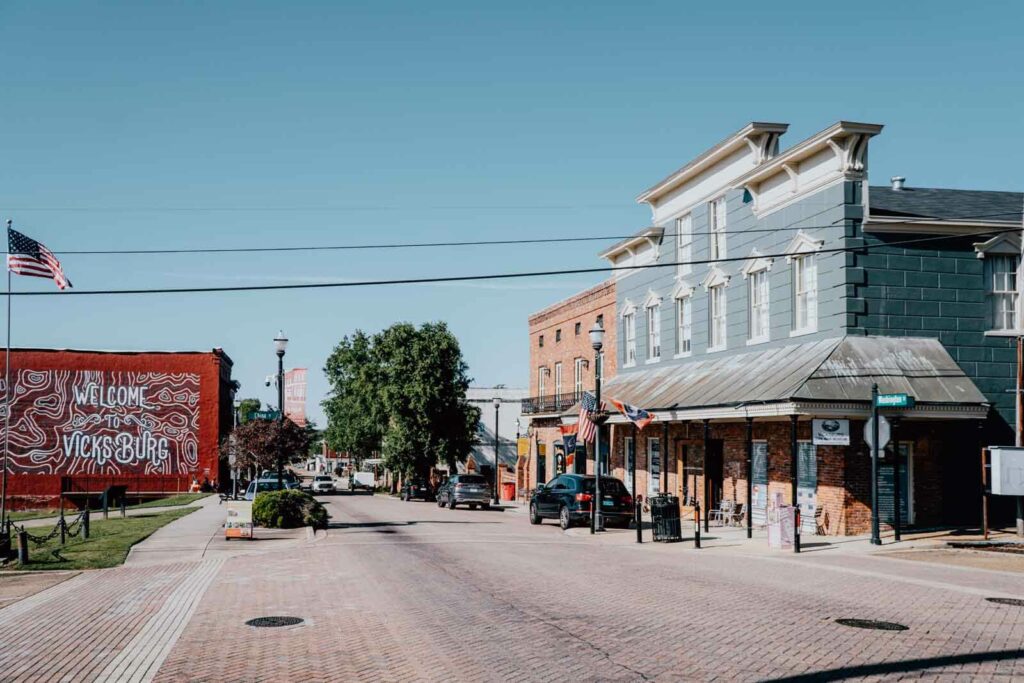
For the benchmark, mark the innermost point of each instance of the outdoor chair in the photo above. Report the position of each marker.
(723, 513)
(738, 515)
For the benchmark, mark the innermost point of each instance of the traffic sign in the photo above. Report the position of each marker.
(894, 401)
(884, 432)
(264, 415)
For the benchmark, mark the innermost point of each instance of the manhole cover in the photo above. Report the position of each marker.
(271, 622)
(871, 623)
(1016, 602)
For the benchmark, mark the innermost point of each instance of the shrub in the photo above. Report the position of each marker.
(288, 509)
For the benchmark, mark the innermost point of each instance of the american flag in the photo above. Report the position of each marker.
(25, 256)
(587, 428)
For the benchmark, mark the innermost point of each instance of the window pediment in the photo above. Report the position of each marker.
(652, 299)
(1007, 243)
(802, 243)
(715, 277)
(682, 290)
(756, 263)
(628, 308)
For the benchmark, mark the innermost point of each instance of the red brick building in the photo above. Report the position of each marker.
(561, 369)
(83, 420)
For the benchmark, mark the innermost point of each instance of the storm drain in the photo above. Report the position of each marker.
(273, 622)
(872, 624)
(1015, 602)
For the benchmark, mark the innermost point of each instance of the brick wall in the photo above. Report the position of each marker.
(583, 308)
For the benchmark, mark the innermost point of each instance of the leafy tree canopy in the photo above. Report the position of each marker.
(402, 394)
(258, 442)
(246, 406)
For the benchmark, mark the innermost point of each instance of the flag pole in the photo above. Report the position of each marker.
(7, 400)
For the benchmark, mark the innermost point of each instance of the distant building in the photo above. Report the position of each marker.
(481, 458)
(85, 420)
(561, 369)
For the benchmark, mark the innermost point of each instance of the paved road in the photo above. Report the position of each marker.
(407, 591)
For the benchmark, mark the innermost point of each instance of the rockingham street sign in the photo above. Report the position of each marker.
(894, 401)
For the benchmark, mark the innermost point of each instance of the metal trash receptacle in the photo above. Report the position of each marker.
(665, 520)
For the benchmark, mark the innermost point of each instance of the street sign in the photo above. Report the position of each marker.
(894, 401)
(264, 415)
(884, 432)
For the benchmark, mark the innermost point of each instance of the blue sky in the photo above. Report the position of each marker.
(146, 125)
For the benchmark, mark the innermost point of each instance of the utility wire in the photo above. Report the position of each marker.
(493, 276)
(471, 243)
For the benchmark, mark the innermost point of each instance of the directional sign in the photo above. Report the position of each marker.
(264, 415)
(894, 401)
(883, 432)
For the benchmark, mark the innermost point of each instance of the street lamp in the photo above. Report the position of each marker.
(280, 344)
(598, 417)
(497, 405)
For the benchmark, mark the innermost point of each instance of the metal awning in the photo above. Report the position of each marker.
(831, 371)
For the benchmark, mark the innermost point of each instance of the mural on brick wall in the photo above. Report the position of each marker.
(85, 422)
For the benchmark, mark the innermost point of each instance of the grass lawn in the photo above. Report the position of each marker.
(108, 544)
(178, 499)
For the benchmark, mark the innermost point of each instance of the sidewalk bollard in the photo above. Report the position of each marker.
(22, 547)
(124, 508)
(638, 515)
(63, 526)
(85, 523)
(696, 524)
(796, 529)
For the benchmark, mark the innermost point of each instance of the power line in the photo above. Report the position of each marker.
(469, 243)
(491, 276)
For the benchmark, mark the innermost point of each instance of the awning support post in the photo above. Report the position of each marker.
(704, 471)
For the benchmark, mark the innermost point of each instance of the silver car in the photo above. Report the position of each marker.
(322, 483)
(468, 489)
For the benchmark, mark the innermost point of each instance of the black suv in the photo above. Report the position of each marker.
(568, 498)
(417, 488)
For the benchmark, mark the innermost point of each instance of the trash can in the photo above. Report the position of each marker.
(508, 490)
(665, 518)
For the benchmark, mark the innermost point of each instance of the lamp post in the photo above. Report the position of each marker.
(598, 418)
(497, 479)
(280, 344)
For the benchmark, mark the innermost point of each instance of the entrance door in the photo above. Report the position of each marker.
(714, 475)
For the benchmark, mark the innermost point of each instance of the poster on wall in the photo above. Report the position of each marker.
(295, 396)
(831, 432)
(68, 422)
(759, 482)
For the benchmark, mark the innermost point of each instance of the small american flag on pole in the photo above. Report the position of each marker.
(587, 428)
(25, 256)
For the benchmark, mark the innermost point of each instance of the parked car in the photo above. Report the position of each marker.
(417, 488)
(468, 489)
(569, 499)
(363, 480)
(322, 483)
(261, 486)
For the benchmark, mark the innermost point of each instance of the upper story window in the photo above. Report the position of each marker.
(1004, 297)
(577, 377)
(716, 318)
(805, 282)
(540, 341)
(629, 334)
(558, 379)
(558, 336)
(654, 332)
(757, 315)
(684, 325)
(716, 228)
(684, 244)
(577, 329)
(805, 294)
(542, 373)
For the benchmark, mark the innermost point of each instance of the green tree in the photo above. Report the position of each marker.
(257, 443)
(401, 393)
(246, 406)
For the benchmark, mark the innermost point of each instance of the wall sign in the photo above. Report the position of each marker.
(66, 422)
(831, 432)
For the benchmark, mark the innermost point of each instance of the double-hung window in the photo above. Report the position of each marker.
(629, 325)
(716, 228)
(757, 315)
(684, 242)
(654, 332)
(805, 294)
(1003, 294)
(558, 381)
(716, 318)
(577, 378)
(541, 380)
(684, 326)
